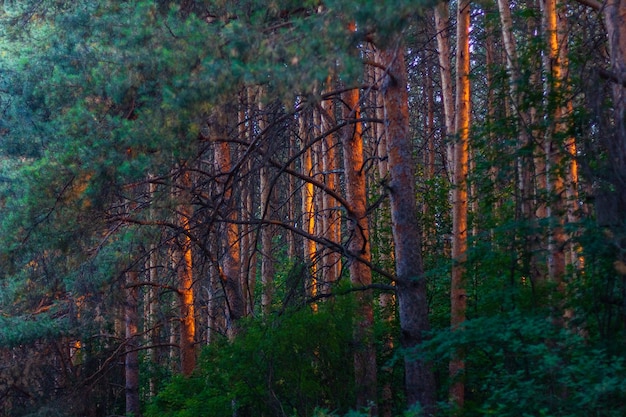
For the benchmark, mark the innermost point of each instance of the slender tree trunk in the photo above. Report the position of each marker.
(359, 244)
(245, 124)
(410, 280)
(216, 304)
(570, 202)
(525, 142)
(554, 157)
(150, 298)
(330, 165)
(184, 267)
(386, 300)
(229, 270)
(615, 21)
(308, 208)
(131, 361)
(442, 22)
(458, 294)
(268, 269)
(292, 203)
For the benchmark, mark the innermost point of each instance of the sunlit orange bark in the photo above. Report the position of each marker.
(184, 265)
(554, 156)
(308, 207)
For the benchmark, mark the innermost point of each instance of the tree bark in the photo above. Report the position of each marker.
(330, 166)
(268, 269)
(615, 21)
(554, 156)
(410, 280)
(308, 207)
(458, 295)
(184, 268)
(359, 243)
(229, 270)
(131, 360)
(442, 22)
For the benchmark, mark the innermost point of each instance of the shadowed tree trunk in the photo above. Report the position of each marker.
(442, 22)
(359, 244)
(131, 360)
(458, 295)
(267, 232)
(615, 21)
(410, 280)
(229, 269)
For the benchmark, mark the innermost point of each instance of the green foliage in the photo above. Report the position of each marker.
(524, 364)
(291, 364)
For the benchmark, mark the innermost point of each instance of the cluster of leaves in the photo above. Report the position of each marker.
(521, 363)
(290, 364)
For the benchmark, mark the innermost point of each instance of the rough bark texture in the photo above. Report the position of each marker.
(231, 261)
(410, 281)
(359, 244)
(308, 208)
(331, 217)
(386, 300)
(246, 126)
(268, 269)
(184, 267)
(615, 21)
(458, 295)
(553, 149)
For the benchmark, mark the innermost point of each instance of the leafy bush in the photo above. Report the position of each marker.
(296, 363)
(525, 364)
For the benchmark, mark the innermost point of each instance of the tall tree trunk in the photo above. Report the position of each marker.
(524, 164)
(360, 245)
(458, 295)
(330, 165)
(292, 204)
(267, 232)
(229, 270)
(184, 268)
(308, 206)
(410, 280)
(570, 197)
(131, 360)
(442, 22)
(150, 297)
(554, 157)
(386, 300)
(245, 124)
(615, 21)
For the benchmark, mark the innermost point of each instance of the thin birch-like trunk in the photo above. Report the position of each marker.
(442, 22)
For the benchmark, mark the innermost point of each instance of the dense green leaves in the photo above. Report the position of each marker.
(291, 364)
